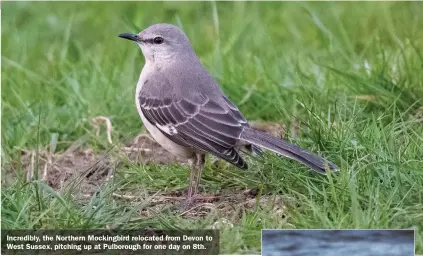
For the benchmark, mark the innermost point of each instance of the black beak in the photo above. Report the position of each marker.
(132, 37)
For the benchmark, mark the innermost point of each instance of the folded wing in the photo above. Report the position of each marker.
(197, 122)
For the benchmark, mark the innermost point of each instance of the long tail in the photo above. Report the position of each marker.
(287, 149)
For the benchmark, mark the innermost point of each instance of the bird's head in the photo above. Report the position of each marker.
(161, 42)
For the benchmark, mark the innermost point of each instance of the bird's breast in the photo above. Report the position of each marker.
(145, 72)
(143, 77)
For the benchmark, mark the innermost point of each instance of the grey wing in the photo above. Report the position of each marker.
(235, 111)
(198, 122)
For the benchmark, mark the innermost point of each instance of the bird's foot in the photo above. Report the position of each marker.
(188, 204)
(196, 200)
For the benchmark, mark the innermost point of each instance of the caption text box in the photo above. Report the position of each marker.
(139, 241)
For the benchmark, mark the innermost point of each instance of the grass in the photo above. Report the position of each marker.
(349, 73)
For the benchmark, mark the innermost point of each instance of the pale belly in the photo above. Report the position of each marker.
(157, 135)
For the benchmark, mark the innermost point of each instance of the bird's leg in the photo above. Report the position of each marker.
(201, 160)
(192, 171)
(197, 164)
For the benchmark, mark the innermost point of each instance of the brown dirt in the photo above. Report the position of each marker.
(275, 129)
(92, 170)
(58, 170)
(144, 149)
(228, 204)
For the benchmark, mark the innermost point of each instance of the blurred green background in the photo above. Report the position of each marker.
(349, 72)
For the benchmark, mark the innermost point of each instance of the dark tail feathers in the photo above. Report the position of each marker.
(287, 149)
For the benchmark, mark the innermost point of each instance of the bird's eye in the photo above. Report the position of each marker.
(158, 40)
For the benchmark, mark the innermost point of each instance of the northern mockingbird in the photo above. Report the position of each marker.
(186, 112)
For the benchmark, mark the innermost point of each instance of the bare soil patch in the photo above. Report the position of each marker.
(229, 204)
(276, 129)
(145, 150)
(92, 169)
(58, 170)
